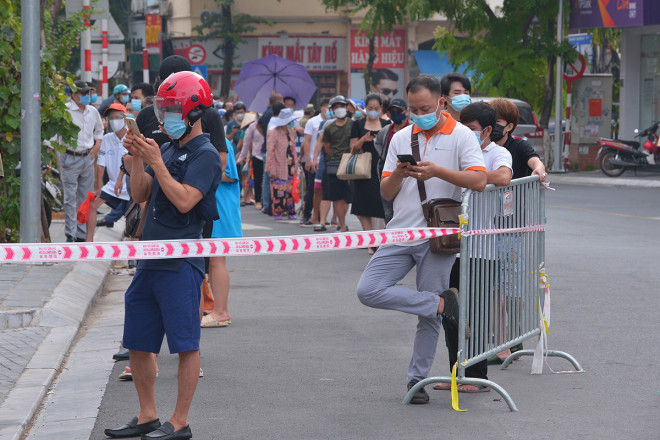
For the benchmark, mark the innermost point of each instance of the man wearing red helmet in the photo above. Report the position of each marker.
(180, 182)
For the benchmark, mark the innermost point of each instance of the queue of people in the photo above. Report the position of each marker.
(192, 167)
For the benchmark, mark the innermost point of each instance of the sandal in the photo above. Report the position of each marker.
(443, 386)
(209, 322)
(466, 388)
(320, 228)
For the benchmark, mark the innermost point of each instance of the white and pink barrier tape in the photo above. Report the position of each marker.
(142, 250)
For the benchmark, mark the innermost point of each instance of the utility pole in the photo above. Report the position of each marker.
(557, 162)
(30, 123)
(87, 44)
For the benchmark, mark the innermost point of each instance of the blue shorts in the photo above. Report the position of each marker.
(160, 302)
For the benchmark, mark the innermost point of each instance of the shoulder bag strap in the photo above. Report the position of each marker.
(414, 145)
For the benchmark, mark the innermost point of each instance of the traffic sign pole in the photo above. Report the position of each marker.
(574, 71)
(145, 65)
(556, 163)
(103, 73)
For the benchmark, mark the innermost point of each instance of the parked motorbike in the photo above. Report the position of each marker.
(616, 156)
(51, 189)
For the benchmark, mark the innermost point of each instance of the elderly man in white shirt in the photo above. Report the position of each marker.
(77, 164)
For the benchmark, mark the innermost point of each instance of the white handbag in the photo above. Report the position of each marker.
(354, 166)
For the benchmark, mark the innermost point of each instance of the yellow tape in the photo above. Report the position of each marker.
(462, 221)
(454, 390)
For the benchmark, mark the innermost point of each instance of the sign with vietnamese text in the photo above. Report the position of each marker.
(388, 76)
(317, 54)
(606, 13)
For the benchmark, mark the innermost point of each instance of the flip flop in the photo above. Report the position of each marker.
(466, 388)
(443, 386)
(320, 228)
(209, 322)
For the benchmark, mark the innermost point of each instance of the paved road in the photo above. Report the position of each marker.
(304, 360)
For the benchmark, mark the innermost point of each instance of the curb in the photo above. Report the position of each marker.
(603, 181)
(64, 312)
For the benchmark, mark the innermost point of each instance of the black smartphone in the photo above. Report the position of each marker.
(373, 132)
(406, 158)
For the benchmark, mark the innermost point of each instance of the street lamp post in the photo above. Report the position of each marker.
(557, 163)
(30, 123)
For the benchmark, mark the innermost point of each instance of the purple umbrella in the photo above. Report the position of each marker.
(260, 77)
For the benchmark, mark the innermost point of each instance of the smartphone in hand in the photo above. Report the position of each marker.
(403, 158)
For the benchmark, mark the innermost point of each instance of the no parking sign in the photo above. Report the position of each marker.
(196, 54)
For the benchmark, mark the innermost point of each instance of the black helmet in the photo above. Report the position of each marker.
(239, 106)
(339, 99)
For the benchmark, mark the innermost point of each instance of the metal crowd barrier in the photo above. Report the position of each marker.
(500, 274)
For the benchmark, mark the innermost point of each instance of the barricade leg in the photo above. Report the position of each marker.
(464, 380)
(554, 353)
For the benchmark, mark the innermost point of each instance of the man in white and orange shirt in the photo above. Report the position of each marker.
(451, 159)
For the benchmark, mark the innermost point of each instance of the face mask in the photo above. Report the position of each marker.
(240, 116)
(84, 100)
(398, 118)
(358, 114)
(116, 125)
(349, 114)
(427, 121)
(373, 114)
(291, 124)
(174, 125)
(94, 98)
(340, 113)
(498, 133)
(329, 114)
(136, 104)
(124, 99)
(478, 135)
(459, 102)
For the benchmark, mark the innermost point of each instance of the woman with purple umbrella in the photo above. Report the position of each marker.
(282, 163)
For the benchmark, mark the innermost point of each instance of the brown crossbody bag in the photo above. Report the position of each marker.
(439, 213)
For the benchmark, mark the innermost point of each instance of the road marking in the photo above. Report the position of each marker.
(596, 211)
(250, 227)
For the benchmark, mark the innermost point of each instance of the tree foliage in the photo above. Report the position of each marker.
(228, 29)
(55, 119)
(512, 50)
(380, 16)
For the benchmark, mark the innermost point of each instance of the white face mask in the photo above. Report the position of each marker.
(340, 112)
(240, 116)
(116, 125)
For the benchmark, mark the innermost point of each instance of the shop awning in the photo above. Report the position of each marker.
(434, 63)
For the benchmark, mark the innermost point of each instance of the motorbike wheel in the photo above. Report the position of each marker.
(48, 210)
(607, 168)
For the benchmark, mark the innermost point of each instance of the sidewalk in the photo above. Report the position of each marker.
(41, 310)
(643, 179)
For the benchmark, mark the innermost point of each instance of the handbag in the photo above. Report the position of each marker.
(332, 166)
(133, 216)
(439, 213)
(354, 166)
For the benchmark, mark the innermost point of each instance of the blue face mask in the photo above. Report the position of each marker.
(94, 98)
(427, 121)
(329, 114)
(291, 124)
(358, 114)
(136, 104)
(174, 125)
(478, 135)
(398, 118)
(459, 102)
(84, 99)
(124, 99)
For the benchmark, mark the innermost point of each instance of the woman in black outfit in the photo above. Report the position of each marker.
(366, 194)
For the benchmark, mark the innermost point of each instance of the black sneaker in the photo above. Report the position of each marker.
(101, 223)
(421, 396)
(450, 311)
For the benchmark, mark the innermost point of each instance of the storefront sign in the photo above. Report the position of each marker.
(212, 53)
(613, 13)
(153, 28)
(389, 65)
(317, 54)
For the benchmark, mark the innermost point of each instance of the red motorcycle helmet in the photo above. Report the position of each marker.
(186, 93)
(648, 145)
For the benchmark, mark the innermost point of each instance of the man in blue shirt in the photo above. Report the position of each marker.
(180, 182)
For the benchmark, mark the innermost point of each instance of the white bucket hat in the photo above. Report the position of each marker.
(286, 115)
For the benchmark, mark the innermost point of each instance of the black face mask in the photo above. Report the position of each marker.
(498, 133)
(349, 115)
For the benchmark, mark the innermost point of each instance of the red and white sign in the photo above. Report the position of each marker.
(575, 70)
(196, 54)
(317, 54)
(390, 50)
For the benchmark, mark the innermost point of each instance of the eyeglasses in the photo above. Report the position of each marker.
(389, 91)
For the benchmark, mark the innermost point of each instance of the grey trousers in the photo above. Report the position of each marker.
(77, 175)
(377, 288)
